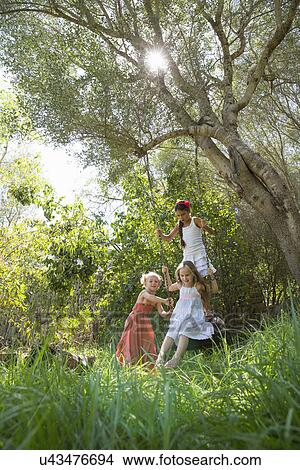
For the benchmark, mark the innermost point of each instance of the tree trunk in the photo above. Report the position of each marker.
(258, 183)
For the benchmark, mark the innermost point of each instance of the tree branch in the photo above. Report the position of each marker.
(278, 12)
(154, 20)
(195, 131)
(227, 63)
(267, 175)
(194, 92)
(177, 108)
(280, 32)
(211, 151)
(263, 170)
(4, 151)
(133, 14)
(105, 13)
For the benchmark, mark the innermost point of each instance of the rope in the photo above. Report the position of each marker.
(152, 201)
(199, 193)
(155, 216)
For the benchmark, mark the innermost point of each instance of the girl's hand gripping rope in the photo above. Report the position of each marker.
(168, 283)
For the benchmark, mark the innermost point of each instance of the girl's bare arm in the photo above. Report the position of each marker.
(174, 287)
(201, 223)
(167, 237)
(153, 299)
(162, 312)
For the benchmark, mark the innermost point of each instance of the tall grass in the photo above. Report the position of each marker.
(244, 396)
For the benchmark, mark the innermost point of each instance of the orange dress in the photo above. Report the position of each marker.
(137, 340)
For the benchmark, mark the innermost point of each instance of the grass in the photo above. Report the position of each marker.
(244, 396)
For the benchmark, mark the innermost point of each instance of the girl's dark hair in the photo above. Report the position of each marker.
(198, 279)
(182, 206)
(182, 242)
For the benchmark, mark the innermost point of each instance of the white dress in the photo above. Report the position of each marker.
(188, 317)
(194, 249)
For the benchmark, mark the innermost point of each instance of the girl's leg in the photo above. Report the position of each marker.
(167, 344)
(181, 348)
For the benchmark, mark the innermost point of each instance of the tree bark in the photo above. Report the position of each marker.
(270, 198)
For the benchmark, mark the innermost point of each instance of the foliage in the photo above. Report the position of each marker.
(48, 275)
(82, 66)
(20, 174)
(48, 265)
(14, 122)
(65, 69)
(21, 252)
(75, 248)
(253, 387)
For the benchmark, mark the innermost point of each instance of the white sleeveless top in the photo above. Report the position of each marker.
(194, 249)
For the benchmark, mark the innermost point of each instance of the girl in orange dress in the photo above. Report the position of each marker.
(137, 340)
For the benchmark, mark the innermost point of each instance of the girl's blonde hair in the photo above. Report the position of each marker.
(151, 273)
(197, 279)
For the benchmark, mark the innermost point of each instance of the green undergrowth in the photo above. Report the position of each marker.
(243, 396)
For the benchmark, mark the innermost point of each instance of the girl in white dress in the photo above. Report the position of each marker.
(190, 231)
(188, 319)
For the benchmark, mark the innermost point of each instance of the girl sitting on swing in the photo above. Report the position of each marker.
(187, 320)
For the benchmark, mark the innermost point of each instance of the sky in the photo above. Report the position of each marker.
(63, 171)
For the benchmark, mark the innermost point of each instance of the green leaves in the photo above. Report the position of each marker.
(75, 248)
(14, 122)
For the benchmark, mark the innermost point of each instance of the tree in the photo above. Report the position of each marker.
(48, 266)
(83, 71)
(14, 122)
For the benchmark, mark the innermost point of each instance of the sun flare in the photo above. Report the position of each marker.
(156, 61)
